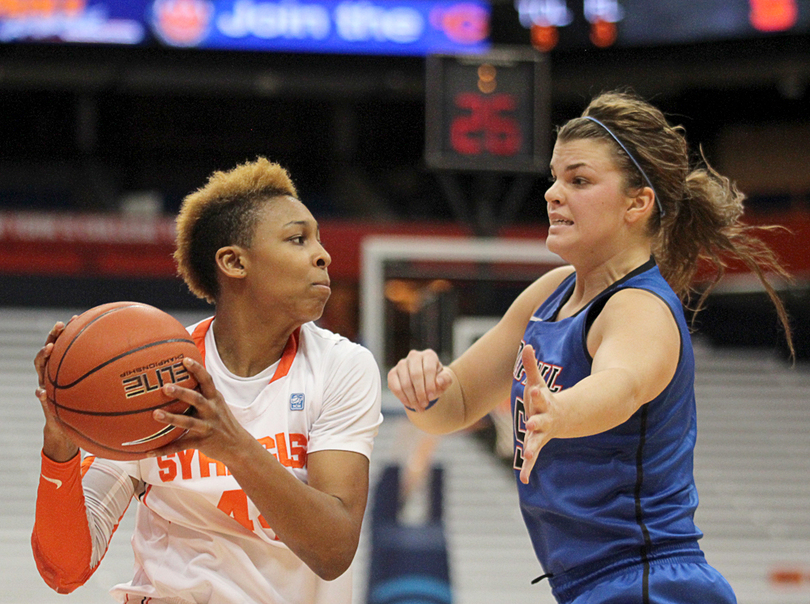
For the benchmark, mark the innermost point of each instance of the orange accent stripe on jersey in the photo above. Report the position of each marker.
(86, 463)
(198, 335)
(145, 494)
(288, 356)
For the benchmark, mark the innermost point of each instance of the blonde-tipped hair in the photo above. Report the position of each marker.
(221, 213)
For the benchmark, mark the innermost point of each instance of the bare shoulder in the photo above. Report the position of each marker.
(514, 321)
(637, 331)
(633, 313)
(637, 299)
(539, 291)
(551, 280)
(509, 330)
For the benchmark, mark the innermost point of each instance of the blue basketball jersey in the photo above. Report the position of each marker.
(629, 489)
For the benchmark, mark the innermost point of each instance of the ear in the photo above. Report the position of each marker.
(231, 261)
(641, 204)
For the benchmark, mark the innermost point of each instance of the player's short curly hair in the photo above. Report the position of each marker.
(221, 213)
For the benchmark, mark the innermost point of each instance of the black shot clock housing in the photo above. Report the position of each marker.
(488, 112)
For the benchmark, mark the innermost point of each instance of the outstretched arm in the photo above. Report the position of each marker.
(441, 400)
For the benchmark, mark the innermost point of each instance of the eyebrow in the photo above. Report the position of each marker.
(571, 167)
(303, 223)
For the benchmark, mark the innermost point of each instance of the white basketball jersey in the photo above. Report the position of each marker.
(198, 537)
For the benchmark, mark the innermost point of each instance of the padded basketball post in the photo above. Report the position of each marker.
(409, 564)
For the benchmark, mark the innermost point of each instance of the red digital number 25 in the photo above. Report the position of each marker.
(486, 127)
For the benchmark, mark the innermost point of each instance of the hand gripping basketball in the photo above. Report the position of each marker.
(211, 428)
(103, 375)
(57, 444)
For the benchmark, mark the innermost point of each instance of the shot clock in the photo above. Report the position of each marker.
(488, 112)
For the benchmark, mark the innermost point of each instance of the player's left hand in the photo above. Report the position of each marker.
(541, 413)
(212, 428)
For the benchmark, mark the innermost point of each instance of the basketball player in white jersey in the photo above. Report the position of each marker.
(263, 498)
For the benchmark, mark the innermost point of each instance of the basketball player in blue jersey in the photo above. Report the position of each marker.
(599, 361)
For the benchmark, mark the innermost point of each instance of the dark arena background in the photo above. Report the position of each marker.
(111, 111)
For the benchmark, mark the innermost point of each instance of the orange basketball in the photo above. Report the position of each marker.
(105, 373)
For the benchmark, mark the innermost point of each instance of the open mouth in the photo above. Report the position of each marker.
(561, 222)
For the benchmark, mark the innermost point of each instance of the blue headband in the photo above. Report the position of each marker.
(632, 159)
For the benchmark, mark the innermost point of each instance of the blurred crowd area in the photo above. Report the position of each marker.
(99, 144)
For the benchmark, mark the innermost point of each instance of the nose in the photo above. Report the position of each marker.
(322, 257)
(552, 194)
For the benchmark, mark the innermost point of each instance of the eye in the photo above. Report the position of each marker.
(298, 239)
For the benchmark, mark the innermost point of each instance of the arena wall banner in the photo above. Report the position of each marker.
(398, 27)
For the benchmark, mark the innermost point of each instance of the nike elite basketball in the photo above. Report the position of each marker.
(105, 374)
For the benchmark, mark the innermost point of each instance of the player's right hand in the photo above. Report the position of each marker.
(41, 360)
(419, 380)
(57, 444)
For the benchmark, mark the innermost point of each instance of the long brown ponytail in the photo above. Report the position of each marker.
(700, 219)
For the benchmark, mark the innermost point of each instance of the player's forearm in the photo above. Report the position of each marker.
(61, 539)
(316, 526)
(446, 415)
(56, 446)
(598, 403)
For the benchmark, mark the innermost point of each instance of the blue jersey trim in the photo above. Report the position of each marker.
(642, 437)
